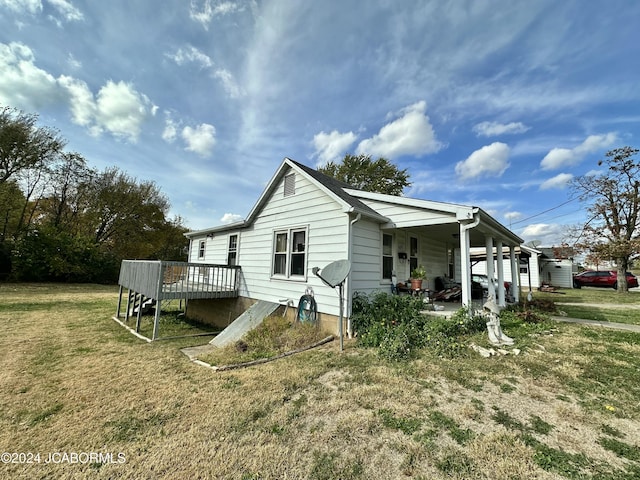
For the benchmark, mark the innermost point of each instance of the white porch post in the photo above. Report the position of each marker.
(515, 274)
(500, 267)
(490, 274)
(465, 264)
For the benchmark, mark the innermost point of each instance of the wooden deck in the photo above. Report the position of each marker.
(179, 280)
(154, 281)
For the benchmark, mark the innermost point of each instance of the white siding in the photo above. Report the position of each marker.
(366, 271)
(481, 268)
(327, 241)
(367, 256)
(558, 273)
(405, 216)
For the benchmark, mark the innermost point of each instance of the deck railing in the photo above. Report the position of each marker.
(169, 280)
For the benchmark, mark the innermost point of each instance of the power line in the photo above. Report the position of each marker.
(546, 211)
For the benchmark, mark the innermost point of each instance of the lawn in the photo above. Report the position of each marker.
(602, 304)
(76, 383)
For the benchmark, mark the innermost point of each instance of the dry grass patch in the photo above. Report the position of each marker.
(274, 336)
(73, 380)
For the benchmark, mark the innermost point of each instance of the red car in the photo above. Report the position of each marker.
(603, 278)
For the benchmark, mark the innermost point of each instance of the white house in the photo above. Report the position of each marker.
(529, 266)
(305, 219)
(556, 271)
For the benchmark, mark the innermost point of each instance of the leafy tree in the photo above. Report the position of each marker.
(23, 145)
(380, 176)
(122, 214)
(613, 198)
(61, 220)
(65, 203)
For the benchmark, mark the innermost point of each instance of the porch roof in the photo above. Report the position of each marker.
(443, 219)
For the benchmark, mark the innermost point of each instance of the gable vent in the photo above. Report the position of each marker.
(290, 184)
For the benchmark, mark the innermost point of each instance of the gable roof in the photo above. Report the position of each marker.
(339, 189)
(334, 188)
(353, 200)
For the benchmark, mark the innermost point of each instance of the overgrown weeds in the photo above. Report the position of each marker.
(274, 336)
(396, 326)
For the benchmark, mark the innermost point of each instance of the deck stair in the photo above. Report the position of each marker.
(138, 301)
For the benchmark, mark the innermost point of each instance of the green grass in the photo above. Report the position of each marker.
(590, 295)
(74, 380)
(616, 315)
(172, 323)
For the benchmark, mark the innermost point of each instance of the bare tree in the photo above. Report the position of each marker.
(612, 197)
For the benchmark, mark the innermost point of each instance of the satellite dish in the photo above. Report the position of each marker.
(334, 273)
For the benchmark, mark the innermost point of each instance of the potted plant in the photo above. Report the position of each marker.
(417, 275)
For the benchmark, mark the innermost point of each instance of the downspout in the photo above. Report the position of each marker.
(464, 256)
(348, 290)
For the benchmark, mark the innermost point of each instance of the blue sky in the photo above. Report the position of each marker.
(490, 103)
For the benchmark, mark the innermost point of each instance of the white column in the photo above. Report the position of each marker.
(465, 265)
(515, 274)
(490, 272)
(500, 267)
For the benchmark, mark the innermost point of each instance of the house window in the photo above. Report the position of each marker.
(524, 266)
(290, 184)
(201, 249)
(232, 253)
(290, 253)
(413, 253)
(387, 256)
(280, 255)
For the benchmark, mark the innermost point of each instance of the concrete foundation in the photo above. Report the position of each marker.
(218, 312)
(221, 312)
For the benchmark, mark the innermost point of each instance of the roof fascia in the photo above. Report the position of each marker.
(462, 211)
(218, 229)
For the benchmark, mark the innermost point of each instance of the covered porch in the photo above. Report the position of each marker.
(443, 244)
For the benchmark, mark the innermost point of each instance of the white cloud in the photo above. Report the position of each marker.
(118, 108)
(22, 83)
(121, 110)
(200, 139)
(490, 161)
(492, 129)
(545, 233)
(170, 131)
(559, 181)
(190, 54)
(209, 10)
(566, 157)
(331, 147)
(23, 6)
(73, 63)
(67, 10)
(228, 83)
(411, 134)
(231, 218)
(512, 215)
(83, 106)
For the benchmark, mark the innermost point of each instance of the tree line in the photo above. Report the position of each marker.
(62, 220)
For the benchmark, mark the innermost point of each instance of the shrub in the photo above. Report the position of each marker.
(394, 325)
(534, 311)
(445, 337)
(391, 323)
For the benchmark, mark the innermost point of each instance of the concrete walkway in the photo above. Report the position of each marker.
(597, 323)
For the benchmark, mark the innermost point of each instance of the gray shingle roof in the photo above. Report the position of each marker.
(337, 187)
